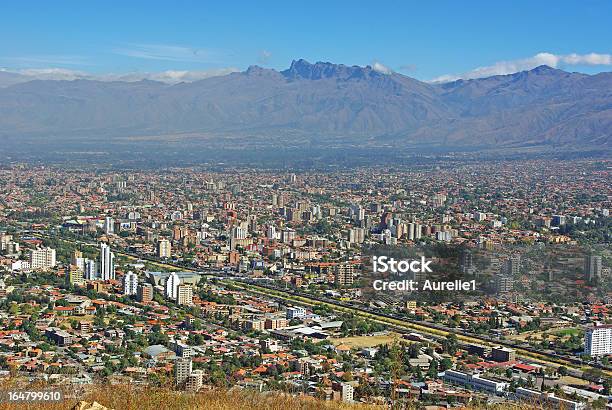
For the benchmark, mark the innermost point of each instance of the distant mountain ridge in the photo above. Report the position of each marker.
(323, 103)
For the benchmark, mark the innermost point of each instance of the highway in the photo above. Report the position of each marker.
(403, 325)
(400, 324)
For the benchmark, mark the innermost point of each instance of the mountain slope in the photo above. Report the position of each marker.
(543, 105)
(323, 102)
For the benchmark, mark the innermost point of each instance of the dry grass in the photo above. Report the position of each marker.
(573, 380)
(129, 397)
(365, 341)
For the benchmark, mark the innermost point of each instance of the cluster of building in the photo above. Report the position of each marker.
(145, 255)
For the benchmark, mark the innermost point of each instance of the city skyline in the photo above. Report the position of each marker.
(265, 280)
(321, 205)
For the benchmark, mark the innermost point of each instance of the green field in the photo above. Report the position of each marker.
(568, 332)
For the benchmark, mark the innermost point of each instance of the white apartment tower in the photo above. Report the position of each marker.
(106, 264)
(182, 370)
(238, 232)
(42, 258)
(172, 285)
(184, 295)
(598, 341)
(164, 248)
(271, 233)
(130, 283)
(90, 269)
(347, 393)
(109, 225)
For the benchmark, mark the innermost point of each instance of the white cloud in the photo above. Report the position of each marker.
(513, 66)
(383, 69)
(165, 52)
(587, 59)
(52, 73)
(170, 76)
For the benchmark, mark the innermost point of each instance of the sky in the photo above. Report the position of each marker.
(187, 40)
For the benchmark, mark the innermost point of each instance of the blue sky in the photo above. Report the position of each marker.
(425, 39)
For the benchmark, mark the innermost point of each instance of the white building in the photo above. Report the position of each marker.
(182, 370)
(19, 265)
(475, 382)
(287, 235)
(238, 232)
(295, 312)
(184, 295)
(4, 240)
(271, 233)
(90, 269)
(42, 258)
(598, 341)
(347, 393)
(195, 381)
(356, 235)
(109, 225)
(164, 248)
(549, 400)
(171, 286)
(106, 267)
(130, 283)
(181, 349)
(480, 216)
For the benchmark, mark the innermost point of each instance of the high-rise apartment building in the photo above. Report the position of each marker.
(164, 248)
(503, 284)
(90, 269)
(106, 263)
(74, 275)
(438, 200)
(356, 235)
(195, 381)
(592, 268)
(109, 225)
(182, 369)
(172, 285)
(252, 223)
(184, 295)
(76, 256)
(239, 232)
(271, 232)
(144, 292)
(513, 264)
(598, 341)
(130, 283)
(347, 393)
(4, 241)
(417, 231)
(467, 262)
(287, 235)
(343, 275)
(42, 258)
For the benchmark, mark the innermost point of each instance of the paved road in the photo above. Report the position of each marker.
(401, 324)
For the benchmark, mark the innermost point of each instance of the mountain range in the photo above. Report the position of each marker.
(323, 104)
